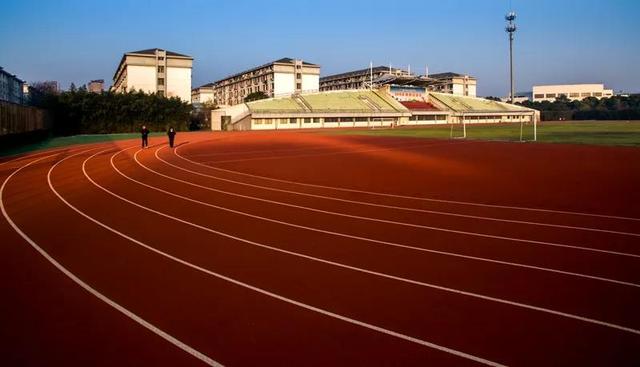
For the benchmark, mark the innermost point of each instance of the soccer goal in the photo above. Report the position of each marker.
(493, 127)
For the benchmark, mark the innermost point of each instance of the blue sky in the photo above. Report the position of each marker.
(558, 41)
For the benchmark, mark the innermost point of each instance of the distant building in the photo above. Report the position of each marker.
(11, 88)
(571, 91)
(285, 76)
(155, 70)
(202, 94)
(452, 83)
(359, 79)
(96, 86)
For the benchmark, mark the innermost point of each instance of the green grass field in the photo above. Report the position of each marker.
(624, 133)
(72, 140)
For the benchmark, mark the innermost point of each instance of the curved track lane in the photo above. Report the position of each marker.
(228, 265)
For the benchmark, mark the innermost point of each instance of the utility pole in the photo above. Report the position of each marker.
(511, 29)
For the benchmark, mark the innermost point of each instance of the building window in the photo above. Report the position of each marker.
(538, 96)
(298, 66)
(298, 85)
(160, 69)
(307, 120)
(160, 81)
(574, 95)
(551, 95)
(160, 58)
(597, 94)
(161, 93)
(293, 121)
(298, 76)
(586, 94)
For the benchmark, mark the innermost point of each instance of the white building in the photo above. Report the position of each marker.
(202, 94)
(155, 71)
(571, 91)
(282, 77)
(11, 88)
(454, 83)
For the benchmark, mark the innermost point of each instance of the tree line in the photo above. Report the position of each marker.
(78, 111)
(590, 108)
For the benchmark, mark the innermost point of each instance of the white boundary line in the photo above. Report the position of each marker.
(436, 212)
(361, 270)
(366, 239)
(405, 196)
(432, 228)
(254, 288)
(202, 357)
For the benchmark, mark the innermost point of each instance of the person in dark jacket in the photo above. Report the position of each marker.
(172, 135)
(144, 132)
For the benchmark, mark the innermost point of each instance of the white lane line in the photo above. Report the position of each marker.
(366, 239)
(436, 212)
(361, 270)
(90, 289)
(409, 197)
(386, 221)
(260, 290)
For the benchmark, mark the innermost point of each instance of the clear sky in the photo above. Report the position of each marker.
(558, 41)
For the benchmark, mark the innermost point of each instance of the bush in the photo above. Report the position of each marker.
(81, 112)
(613, 108)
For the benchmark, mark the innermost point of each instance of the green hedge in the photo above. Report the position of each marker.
(81, 112)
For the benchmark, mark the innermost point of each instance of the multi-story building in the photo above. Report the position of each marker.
(10, 88)
(285, 76)
(155, 70)
(359, 79)
(571, 91)
(202, 94)
(96, 86)
(454, 83)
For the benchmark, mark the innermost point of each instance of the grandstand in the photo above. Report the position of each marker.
(387, 106)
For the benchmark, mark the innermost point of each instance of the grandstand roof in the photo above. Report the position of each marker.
(367, 71)
(472, 104)
(448, 75)
(356, 101)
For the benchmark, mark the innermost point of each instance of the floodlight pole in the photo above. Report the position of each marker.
(511, 29)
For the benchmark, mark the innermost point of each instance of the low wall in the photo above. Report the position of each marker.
(18, 119)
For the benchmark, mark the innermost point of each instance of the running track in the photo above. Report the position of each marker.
(294, 248)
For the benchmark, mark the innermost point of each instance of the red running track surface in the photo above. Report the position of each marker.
(295, 248)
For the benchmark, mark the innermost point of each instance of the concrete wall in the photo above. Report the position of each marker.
(141, 77)
(458, 89)
(472, 90)
(310, 82)
(178, 83)
(283, 83)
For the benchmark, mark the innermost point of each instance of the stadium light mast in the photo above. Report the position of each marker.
(511, 29)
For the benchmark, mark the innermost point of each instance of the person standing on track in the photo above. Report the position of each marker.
(172, 135)
(144, 132)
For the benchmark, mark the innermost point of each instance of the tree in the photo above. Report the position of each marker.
(255, 96)
(72, 87)
(492, 98)
(46, 87)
